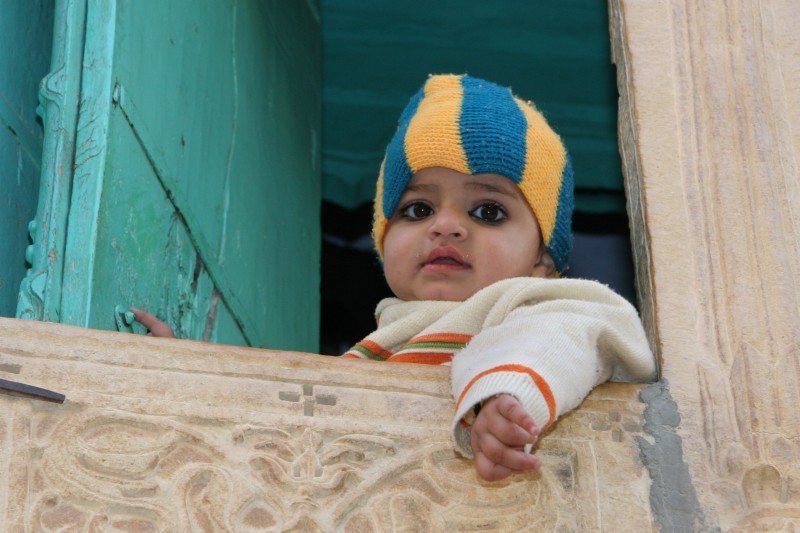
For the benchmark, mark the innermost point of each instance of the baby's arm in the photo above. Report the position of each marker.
(158, 328)
(548, 347)
(501, 436)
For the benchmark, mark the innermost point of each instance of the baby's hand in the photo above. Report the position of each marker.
(500, 434)
(158, 328)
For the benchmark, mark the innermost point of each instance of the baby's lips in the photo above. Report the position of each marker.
(446, 260)
(444, 253)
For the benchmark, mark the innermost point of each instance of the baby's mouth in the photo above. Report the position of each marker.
(445, 261)
(445, 258)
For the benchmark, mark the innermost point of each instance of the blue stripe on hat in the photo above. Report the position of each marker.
(396, 162)
(561, 240)
(492, 146)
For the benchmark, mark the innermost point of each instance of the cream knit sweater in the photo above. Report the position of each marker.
(547, 342)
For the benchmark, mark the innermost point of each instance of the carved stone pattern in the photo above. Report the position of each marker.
(140, 474)
(161, 435)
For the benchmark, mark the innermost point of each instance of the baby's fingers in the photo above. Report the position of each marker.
(158, 328)
(490, 471)
(510, 408)
(494, 460)
(504, 430)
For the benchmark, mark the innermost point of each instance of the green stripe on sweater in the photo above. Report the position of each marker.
(362, 350)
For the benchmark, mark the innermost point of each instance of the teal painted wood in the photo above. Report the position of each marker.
(26, 31)
(197, 179)
(255, 217)
(91, 146)
(149, 257)
(40, 290)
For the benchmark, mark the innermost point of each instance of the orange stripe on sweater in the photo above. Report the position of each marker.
(544, 388)
(442, 337)
(428, 358)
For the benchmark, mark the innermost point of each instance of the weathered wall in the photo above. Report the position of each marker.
(710, 130)
(27, 29)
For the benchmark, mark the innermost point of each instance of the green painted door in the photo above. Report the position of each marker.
(25, 42)
(195, 183)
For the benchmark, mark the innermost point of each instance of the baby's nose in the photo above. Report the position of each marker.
(449, 223)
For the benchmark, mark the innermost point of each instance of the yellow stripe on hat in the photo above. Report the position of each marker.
(545, 159)
(379, 220)
(433, 138)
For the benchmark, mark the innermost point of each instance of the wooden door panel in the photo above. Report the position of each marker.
(26, 33)
(174, 64)
(144, 252)
(197, 176)
(226, 102)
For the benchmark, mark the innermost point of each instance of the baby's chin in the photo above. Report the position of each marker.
(443, 294)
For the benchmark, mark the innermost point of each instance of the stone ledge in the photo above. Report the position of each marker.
(185, 435)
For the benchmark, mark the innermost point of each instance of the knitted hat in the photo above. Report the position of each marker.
(474, 127)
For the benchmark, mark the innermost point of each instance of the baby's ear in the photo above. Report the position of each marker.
(545, 267)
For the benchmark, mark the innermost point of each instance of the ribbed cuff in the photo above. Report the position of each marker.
(520, 384)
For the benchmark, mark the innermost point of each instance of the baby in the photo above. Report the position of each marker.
(472, 222)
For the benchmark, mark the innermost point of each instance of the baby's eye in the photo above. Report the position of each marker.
(490, 213)
(416, 211)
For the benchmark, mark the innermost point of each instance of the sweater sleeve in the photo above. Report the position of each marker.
(549, 351)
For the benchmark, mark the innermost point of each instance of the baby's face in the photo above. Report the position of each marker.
(454, 234)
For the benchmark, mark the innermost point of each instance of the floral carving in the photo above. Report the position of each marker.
(101, 470)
